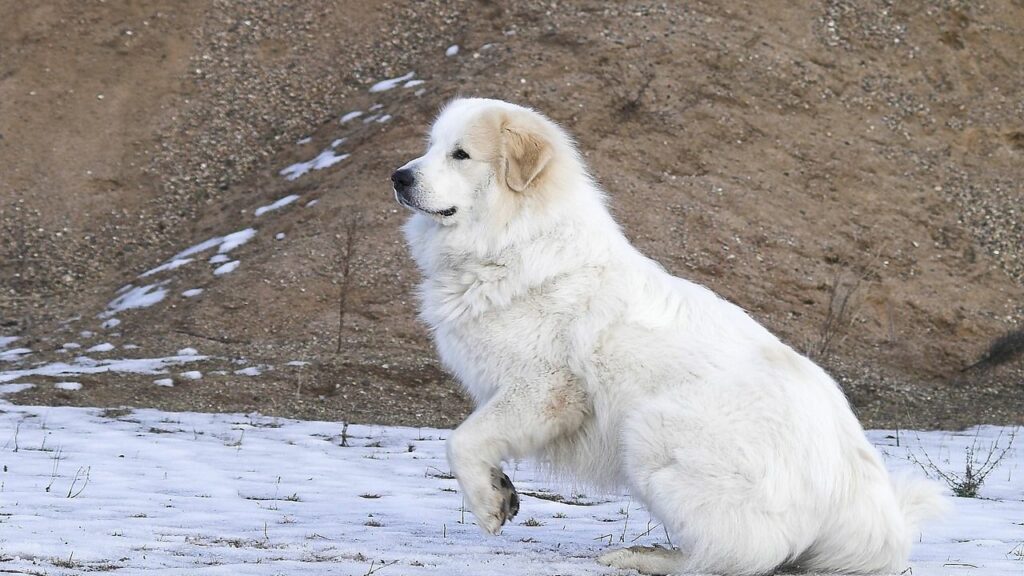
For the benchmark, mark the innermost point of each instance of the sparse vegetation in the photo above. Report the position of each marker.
(838, 317)
(383, 564)
(433, 472)
(1002, 350)
(979, 462)
(237, 443)
(346, 251)
(69, 563)
(82, 474)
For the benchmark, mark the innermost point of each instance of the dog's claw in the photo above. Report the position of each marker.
(509, 497)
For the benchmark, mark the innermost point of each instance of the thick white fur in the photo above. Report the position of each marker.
(580, 351)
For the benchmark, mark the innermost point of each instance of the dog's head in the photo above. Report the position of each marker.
(484, 160)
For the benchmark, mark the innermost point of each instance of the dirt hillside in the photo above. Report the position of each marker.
(848, 171)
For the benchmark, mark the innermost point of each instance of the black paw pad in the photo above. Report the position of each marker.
(510, 499)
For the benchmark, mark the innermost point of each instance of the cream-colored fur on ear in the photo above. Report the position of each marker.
(526, 153)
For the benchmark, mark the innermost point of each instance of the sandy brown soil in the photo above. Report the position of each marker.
(791, 156)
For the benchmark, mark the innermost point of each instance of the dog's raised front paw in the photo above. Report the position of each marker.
(496, 503)
(509, 497)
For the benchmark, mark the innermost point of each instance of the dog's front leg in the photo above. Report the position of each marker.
(518, 421)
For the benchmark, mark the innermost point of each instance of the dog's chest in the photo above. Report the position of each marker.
(514, 335)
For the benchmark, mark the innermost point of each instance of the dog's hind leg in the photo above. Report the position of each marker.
(715, 493)
(644, 559)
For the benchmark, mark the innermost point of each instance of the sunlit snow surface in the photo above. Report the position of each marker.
(185, 493)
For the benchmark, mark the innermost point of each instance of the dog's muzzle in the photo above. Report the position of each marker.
(403, 180)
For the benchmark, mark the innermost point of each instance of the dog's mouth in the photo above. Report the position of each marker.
(443, 213)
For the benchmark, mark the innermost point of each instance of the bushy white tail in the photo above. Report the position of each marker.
(919, 500)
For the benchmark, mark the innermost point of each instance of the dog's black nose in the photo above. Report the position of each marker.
(403, 180)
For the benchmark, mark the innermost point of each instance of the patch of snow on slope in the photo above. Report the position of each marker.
(206, 494)
(173, 264)
(6, 341)
(192, 292)
(166, 382)
(199, 248)
(325, 159)
(351, 116)
(68, 385)
(85, 365)
(110, 323)
(276, 205)
(385, 85)
(136, 297)
(14, 354)
(236, 239)
(14, 388)
(226, 268)
(222, 243)
(105, 347)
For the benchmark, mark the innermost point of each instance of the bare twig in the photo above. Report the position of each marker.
(625, 523)
(383, 565)
(74, 481)
(220, 339)
(838, 317)
(648, 531)
(346, 253)
(56, 465)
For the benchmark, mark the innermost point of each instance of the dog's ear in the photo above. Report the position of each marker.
(526, 153)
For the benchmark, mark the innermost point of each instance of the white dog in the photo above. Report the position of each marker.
(579, 350)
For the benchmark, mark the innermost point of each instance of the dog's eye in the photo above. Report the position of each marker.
(460, 154)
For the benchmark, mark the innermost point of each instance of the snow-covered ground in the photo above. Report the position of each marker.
(186, 493)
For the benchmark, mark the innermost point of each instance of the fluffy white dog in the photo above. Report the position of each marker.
(579, 350)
